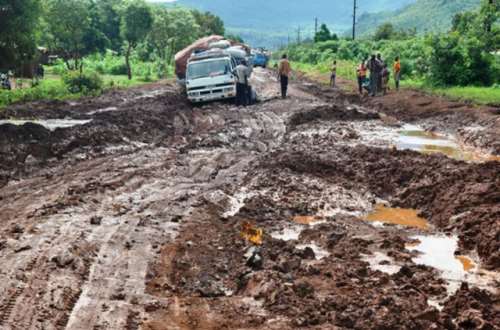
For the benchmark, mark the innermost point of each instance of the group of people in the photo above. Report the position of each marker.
(378, 81)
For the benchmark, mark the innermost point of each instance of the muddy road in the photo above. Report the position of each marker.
(136, 210)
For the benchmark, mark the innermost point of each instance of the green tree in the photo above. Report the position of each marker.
(172, 30)
(18, 22)
(109, 21)
(323, 34)
(136, 23)
(209, 23)
(72, 30)
(384, 32)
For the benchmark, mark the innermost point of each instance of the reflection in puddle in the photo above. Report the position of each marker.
(307, 220)
(319, 252)
(397, 216)
(439, 252)
(108, 109)
(381, 262)
(415, 138)
(50, 124)
(467, 263)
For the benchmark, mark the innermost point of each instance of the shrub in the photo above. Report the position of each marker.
(85, 83)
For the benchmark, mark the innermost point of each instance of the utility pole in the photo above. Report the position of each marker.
(488, 17)
(298, 35)
(315, 26)
(354, 21)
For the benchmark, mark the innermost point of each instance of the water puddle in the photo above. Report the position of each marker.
(310, 220)
(319, 252)
(381, 262)
(397, 216)
(108, 109)
(50, 124)
(467, 263)
(287, 234)
(438, 251)
(416, 138)
(237, 202)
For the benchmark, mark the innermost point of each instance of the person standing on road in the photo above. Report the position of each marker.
(397, 72)
(374, 67)
(333, 76)
(242, 84)
(385, 79)
(381, 65)
(361, 74)
(284, 71)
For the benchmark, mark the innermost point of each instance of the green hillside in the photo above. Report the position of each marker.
(423, 15)
(271, 23)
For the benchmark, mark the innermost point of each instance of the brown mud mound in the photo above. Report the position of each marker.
(28, 147)
(452, 195)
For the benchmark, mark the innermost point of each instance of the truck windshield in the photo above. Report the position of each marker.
(208, 69)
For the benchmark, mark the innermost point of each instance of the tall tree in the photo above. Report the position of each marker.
(173, 29)
(109, 21)
(209, 23)
(18, 22)
(72, 30)
(323, 34)
(136, 23)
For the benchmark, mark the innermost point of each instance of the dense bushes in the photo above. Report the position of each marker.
(85, 83)
(112, 64)
(448, 59)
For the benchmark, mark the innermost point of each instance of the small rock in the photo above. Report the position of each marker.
(303, 289)
(430, 314)
(17, 229)
(63, 260)
(406, 271)
(255, 260)
(22, 248)
(96, 220)
(307, 253)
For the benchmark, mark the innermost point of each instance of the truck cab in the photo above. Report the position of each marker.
(210, 76)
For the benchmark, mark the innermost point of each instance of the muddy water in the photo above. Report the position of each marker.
(305, 219)
(397, 216)
(50, 124)
(438, 251)
(416, 138)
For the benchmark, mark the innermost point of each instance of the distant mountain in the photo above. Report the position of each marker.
(256, 19)
(424, 15)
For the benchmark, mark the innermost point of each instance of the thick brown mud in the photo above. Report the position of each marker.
(302, 213)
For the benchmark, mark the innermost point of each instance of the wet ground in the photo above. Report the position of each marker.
(136, 210)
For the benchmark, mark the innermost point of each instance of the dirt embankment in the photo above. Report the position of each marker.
(141, 218)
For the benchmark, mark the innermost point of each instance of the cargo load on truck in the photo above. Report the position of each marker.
(207, 68)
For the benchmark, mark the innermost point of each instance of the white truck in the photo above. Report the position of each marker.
(210, 75)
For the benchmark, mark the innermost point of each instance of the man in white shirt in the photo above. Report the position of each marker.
(242, 84)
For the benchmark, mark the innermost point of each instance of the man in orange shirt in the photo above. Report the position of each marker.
(284, 71)
(397, 72)
(361, 73)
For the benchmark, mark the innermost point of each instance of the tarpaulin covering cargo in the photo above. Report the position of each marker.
(182, 57)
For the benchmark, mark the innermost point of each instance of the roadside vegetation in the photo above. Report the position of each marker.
(88, 46)
(463, 63)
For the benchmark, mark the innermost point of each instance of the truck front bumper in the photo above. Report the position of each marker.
(212, 93)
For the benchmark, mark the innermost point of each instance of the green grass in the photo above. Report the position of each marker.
(478, 95)
(53, 88)
(347, 70)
